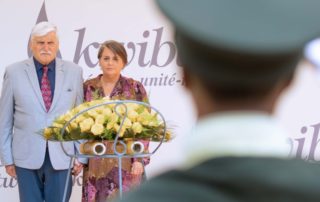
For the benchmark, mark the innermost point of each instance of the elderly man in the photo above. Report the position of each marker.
(237, 58)
(34, 92)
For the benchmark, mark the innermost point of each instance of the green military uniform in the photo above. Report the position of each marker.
(233, 180)
(238, 46)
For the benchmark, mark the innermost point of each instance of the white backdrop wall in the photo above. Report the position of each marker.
(152, 60)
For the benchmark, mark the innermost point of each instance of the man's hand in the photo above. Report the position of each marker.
(77, 167)
(11, 170)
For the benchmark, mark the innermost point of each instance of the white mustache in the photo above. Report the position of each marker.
(46, 52)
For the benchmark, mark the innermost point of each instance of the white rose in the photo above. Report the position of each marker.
(127, 123)
(57, 125)
(99, 109)
(110, 125)
(113, 118)
(74, 124)
(106, 111)
(136, 127)
(99, 119)
(97, 129)
(132, 115)
(93, 113)
(117, 127)
(81, 107)
(80, 118)
(86, 124)
(132, 106)
(120, 109)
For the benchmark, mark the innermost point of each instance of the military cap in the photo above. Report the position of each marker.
(242, 41)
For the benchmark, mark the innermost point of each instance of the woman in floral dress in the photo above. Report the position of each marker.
(100, 175)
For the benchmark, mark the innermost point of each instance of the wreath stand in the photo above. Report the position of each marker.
(117, 141)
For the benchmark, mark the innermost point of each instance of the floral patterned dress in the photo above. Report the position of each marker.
(100, 176)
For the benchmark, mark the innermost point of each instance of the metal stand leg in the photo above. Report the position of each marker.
(117, 154)
(120, 176)
(67, 181)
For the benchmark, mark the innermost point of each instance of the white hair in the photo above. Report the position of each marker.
(43, 28)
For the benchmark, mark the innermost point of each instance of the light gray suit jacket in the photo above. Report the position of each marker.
(23, 114)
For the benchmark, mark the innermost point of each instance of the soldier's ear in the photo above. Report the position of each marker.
(186, 78)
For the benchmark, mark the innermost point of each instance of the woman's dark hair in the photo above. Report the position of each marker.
(116, 47)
